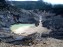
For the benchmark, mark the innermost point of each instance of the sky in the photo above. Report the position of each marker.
(49, 1)
(23, 0)
(54, 1)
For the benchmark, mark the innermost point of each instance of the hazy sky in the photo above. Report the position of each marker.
(49, 1)
(54, 1)
(24, 0)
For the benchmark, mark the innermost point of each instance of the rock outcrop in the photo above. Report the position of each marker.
(8, 18)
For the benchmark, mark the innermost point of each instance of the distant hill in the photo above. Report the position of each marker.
(31, 4)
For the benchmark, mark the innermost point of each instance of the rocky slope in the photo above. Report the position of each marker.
(8, 18)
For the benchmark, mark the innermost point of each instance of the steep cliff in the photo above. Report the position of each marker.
(13, 17)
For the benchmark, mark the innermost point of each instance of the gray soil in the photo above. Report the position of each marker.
(9, 40)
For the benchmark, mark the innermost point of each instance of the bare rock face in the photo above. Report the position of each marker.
(8, 18)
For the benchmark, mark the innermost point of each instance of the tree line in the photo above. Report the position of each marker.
(31, 5)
